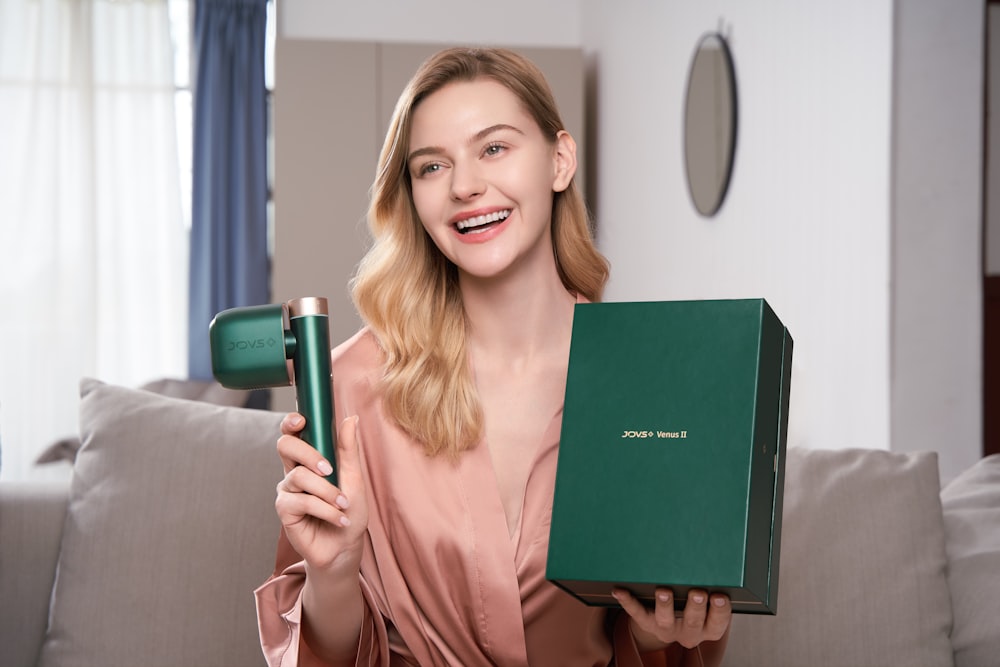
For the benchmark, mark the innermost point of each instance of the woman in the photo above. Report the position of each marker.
(432, 550)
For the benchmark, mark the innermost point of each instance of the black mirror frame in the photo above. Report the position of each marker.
(709, 209)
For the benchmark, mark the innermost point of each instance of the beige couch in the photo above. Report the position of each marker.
(149, 557)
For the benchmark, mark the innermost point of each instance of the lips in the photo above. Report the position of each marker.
(480, 222)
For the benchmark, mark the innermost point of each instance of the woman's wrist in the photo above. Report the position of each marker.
(332, 613)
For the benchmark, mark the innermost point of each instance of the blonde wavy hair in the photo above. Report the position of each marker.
(407, 291)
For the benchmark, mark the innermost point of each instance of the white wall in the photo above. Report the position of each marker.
(805, 221)
(855, 202)
(937, 264)
(819, 208)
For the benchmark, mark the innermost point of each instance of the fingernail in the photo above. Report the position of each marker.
(342, 502)
(295, 420)
(719, 602)
(345, 522)
(324, 468)
(698, 598)
(616, 594)
(663, 597)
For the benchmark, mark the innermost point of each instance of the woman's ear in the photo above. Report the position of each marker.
(564, 161)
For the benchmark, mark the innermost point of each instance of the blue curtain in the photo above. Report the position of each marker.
(229, 259)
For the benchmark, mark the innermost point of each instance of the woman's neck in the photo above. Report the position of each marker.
(517, 321)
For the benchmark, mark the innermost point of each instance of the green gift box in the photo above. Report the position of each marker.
(672, 452)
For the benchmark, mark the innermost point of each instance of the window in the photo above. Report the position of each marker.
(182, 33)
(181, 24)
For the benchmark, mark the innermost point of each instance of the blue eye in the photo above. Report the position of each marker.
(430, 168)
(494, 149)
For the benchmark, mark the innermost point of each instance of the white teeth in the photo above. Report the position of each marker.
(481, 220)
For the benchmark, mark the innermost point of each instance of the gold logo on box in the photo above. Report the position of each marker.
(632, 435)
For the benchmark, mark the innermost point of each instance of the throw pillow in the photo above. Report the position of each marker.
(65, 449)
(862, 577)
(170, 527)
(198, 390)
(971, 505)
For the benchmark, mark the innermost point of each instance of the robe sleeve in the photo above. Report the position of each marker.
(279, 618)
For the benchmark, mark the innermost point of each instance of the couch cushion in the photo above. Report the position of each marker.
(31, 524)
(971, 505)
(863, 567)
(170, 526)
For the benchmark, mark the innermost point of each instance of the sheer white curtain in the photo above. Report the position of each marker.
(93, 246)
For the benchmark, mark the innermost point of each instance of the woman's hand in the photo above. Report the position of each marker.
(705, 618)
(324, 523)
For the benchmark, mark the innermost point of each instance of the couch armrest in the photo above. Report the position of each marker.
(31, 523)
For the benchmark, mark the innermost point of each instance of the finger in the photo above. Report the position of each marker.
(349, 457)
(720, 615)
(292, 423)
(633, 607)
(665, 614)
(293, 507)
(695, 612)
(295, 451)
(301, 479)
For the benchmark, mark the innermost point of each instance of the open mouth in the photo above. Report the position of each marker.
(481, 223)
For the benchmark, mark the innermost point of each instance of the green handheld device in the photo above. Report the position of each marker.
(252, 348)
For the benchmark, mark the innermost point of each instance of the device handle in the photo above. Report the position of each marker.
(309, 322)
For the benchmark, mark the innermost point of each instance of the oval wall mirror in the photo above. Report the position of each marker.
(710, 123)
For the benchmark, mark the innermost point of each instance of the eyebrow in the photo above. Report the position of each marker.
(477, 137)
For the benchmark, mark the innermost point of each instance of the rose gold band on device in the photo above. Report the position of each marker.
(307, 305)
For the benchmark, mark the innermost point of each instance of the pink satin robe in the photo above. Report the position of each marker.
(443, 581)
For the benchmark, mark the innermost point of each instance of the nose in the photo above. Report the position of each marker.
(467, 182)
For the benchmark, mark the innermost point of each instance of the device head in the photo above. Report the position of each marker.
(251, 347)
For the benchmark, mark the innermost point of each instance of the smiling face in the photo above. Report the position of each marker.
(483, 177)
